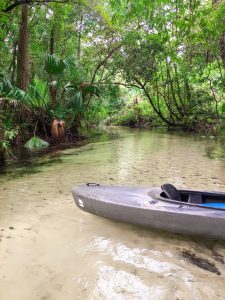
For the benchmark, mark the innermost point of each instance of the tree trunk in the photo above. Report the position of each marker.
(52, 40)
(14, 62)
(222, 47)
(23, 51)
(52, 87)
(79, 38)
(221, 43)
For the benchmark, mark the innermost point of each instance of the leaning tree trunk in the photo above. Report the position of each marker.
(23, 51)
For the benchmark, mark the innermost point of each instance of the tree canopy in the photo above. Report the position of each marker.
(81, 60)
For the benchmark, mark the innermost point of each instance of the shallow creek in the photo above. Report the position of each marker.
(49, 249)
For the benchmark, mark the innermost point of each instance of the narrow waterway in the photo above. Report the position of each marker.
(49, 249)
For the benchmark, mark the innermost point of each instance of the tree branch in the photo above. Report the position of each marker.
(120, 83)
(14, 4)
(102, 62)
(158, 112)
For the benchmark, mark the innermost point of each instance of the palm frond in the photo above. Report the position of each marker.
(76, 102)
(13, 94)
(38, 93)
(91, 90)
(71, 87)
(54, 65)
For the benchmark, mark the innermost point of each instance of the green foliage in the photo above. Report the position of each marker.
(95, 113)
(223, 108)
(106, 105)
(174, 57)
(136, 115)
(7, 135)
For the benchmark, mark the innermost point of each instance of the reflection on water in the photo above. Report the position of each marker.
(141, 260)
(216, 151)
(50, 249)
(118, 284)
(134, 256)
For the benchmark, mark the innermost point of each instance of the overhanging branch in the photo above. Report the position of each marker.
(108, 56)
(119, 83)
(13, 4)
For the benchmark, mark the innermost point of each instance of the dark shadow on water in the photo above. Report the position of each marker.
(32, 161)
(25, 167)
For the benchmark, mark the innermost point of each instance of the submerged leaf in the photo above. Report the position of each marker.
(36, 142)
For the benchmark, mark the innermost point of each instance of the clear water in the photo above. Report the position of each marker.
(49, 249)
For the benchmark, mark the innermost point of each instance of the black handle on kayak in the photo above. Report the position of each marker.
(93, 184)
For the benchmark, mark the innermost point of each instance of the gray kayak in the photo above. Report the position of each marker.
(165, 208)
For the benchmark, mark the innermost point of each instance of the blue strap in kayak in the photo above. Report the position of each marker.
(216, 205)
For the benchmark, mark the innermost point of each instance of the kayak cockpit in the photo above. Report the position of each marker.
(203, 199)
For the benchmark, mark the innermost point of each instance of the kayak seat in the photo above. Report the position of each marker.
(195, 198)
(171, 192)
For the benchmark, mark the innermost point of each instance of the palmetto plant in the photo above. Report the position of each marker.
(79, 95)
(33, 104)
(70, 98)
(73, 95)
(35, 100)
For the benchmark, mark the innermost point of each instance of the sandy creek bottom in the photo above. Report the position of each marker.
(49, 249)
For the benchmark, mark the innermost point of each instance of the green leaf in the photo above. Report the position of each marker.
(35, 143)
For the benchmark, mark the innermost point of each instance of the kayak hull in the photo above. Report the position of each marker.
(144, 206)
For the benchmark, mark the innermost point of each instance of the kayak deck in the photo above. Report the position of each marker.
(148, 207)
